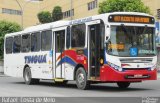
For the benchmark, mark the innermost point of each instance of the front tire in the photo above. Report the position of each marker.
(28, 77)
(81, 79)
(123, 84)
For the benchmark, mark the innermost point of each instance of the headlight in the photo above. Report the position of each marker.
(112, 65)
(120, 69)
(115, 67)
(154, 67)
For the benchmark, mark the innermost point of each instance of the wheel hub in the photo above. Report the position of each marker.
(27, 76)
(81, 78)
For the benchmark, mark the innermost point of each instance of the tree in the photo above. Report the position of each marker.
(44, 17)
(6, 27)
(57, 13)
(123, 5)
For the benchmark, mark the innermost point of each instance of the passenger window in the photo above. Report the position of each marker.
(16, 44)
(46, 40)
(35, 42)
(8, 45)
(25, 43)
(78, 35)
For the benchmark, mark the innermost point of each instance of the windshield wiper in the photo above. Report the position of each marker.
(127, 33)
(144, 29)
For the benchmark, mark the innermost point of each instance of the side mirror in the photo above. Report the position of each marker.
(106, 40)
(108, 44)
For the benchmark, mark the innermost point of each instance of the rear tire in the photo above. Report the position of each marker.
(123, 84)
(28, 77)
(81, 79)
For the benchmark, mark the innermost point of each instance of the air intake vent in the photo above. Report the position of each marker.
(136, 60)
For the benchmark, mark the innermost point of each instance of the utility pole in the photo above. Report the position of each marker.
(21, 13)
(22, 9)
(71, 11)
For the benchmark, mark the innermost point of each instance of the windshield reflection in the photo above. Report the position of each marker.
(125, 39)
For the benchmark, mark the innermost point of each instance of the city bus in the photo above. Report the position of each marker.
(116, 47)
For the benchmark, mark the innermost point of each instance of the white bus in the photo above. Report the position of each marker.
(116, 47)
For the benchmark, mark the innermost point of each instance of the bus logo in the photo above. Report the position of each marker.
(35, 59)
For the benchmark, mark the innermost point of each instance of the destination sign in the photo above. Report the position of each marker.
(116, 46)
(131, 19)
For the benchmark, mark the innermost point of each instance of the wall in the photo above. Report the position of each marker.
(30, 10)
(153, 5)
(1, 67)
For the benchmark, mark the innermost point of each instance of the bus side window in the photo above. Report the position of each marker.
(68, 37)
(35, 41)
(8, 45)
(78, 35)
(17, 44)
(46, 40)
(25, 43)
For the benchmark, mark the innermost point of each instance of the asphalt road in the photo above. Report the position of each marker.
(15, 87)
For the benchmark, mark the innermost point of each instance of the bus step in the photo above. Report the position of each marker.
(59, 79)
(94, 79)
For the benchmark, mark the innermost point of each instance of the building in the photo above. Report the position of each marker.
(21, 11)
(72, 9)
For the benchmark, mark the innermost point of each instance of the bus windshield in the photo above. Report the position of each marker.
(131, 41)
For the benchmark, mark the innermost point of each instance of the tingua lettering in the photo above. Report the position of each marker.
(35, 59)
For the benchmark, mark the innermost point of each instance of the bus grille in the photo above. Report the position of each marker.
(136, 60)
(135, 68)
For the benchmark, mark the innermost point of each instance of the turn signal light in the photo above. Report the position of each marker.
(101, 61)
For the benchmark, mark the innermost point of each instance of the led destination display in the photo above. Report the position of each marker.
(131, 19)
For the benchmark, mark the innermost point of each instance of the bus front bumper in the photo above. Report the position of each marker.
(108, 74)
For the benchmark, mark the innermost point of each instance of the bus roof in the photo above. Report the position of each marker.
(71, 22)
(40, 27)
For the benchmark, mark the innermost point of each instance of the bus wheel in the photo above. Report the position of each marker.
(28, 77)
(81, 79)
(123, 84)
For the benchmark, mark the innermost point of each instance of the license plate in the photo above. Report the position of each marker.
(138, 75)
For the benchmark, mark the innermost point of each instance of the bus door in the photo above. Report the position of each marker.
(94, 49)
(59, 48)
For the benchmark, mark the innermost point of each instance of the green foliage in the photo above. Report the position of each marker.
(123, 5)
(57, 13)
(6, 27)
(44, 17)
